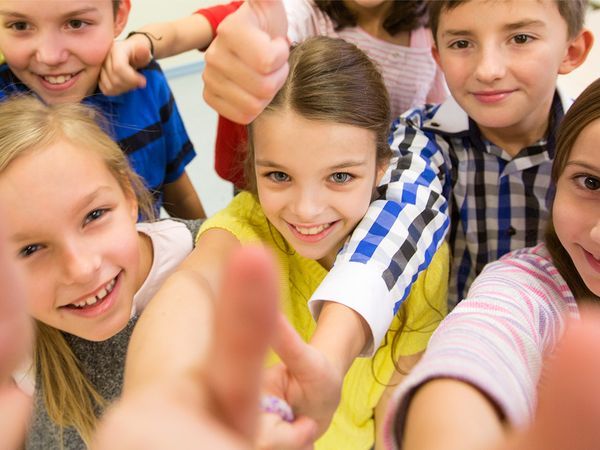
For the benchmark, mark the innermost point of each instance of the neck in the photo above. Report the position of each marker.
(146, 258)
(371, 21)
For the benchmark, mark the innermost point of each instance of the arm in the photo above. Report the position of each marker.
(181, 199)
(489, 350)
(398, 237)
(119, 73)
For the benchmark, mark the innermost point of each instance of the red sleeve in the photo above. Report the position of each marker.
(216, 14)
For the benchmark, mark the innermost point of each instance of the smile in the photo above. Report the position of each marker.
(92, 300)
(58, 79)
(309, 231)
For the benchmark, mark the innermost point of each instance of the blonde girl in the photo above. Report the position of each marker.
(315, 157)
(70, 203)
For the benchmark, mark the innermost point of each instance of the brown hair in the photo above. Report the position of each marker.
(26, 125)
(406, 15)
(331, 80)
(584, 111)
(572, 11)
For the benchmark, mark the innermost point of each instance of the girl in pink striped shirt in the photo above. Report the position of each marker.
(485, 363)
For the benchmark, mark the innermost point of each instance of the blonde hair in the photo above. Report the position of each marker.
(27, 125)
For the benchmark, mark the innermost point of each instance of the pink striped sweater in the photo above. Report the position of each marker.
(411, 75)
(497, 338)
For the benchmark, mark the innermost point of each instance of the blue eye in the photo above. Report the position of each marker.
(95, 215)
(29, 250)
(341, 177)
(278, 177)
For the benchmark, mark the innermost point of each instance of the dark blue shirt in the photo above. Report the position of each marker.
(145, 123)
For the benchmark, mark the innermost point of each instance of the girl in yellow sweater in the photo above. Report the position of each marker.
(316, 156)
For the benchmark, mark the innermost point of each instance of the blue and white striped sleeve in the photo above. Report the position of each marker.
(398, 236)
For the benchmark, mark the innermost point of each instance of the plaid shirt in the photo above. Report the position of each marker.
(497, 203)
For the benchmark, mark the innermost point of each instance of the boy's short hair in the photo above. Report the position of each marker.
(572, 11)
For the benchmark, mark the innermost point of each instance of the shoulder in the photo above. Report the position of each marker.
(168, 234)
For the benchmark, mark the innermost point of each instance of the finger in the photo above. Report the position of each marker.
(275, 433)
(297, 355)
(271, 16)
(245, 316)
(224, 65)
(15, 410)
(569, 399)
(241, 34)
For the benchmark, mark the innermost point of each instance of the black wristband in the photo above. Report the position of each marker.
(149, 36)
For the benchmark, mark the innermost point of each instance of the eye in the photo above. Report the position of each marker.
(95, 215)
(29, 250)
(76, 24)
(278, 177)
(461, 44)
(19, 26)
(522, 38)
(588, 182)
(341, 177)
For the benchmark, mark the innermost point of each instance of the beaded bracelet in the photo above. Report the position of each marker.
(149, 36)
(275, 405)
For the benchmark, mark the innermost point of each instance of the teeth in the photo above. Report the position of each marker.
(60, 79)
(312, 230)
(107, 289)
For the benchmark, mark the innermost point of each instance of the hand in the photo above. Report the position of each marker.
(309, 383)
(246, 63)
(225, 413)
(569, 401)
(119, 73)
(15, 341)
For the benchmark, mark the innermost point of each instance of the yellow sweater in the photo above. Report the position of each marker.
(352, 427)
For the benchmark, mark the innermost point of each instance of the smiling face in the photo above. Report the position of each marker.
(576, 209)
(314, 179)
(71, 232)
(57, 48)
(501, 59)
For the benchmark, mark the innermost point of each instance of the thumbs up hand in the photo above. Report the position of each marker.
(246, 63)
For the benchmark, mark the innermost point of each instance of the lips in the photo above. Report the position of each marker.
(492, 96)
(312, 233)
(98, 296)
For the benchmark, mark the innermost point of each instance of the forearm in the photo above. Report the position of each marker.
(340, 335)
(172, 38)
(448, 414)
(181, 199)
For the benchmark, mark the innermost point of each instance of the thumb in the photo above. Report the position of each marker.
(245, 315)
(297, 355)
(271, 17)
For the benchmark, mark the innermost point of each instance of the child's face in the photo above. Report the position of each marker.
(71, 231)
(57, 47)
(501, 59)
(576, 209)
(315, 180)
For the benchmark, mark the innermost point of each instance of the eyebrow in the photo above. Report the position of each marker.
(509, 27)
(77, 12)
(584, 165)
(342, 165)
(80, 205)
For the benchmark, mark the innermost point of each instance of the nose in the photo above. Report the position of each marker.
(80, 264)
(491, 65)
(595, 233)
(307, 205)
(51, 50)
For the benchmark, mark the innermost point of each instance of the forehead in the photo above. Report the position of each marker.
(587, 144)
(475, 14)
(48, 9)
(289, 138)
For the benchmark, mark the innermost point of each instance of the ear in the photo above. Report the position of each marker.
(132, 204)
(121, 16)
(380, 172)
(577, 51)
(436, 54)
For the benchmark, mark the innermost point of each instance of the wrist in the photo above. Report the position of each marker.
(146, 36)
